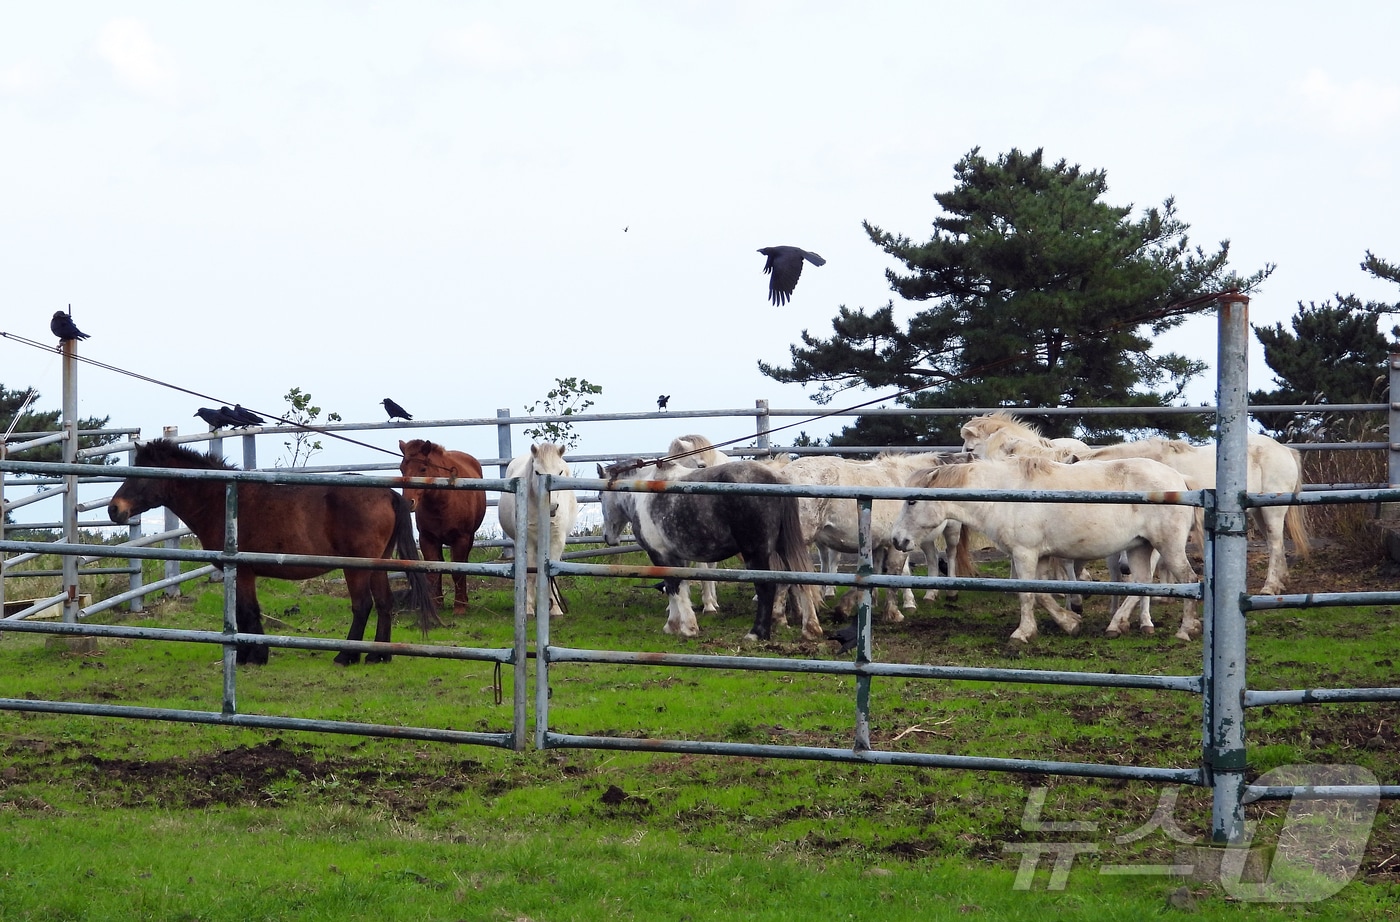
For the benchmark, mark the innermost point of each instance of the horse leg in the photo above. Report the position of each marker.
(906, 595)
(1179, 566)
(1025, 561)
(248, 619)
(763, 617)
(357, 584)
(384, 609)
(1067, 620)
(680, 613)
(885, 560)
(1271, 522)
(432, 550)
(1140, 565)
(708, 601)
(556, 552)
(461, 553)
(827, 559)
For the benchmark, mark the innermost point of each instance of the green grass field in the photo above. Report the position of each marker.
(115, 819)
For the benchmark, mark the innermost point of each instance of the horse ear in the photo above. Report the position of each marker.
(403, 448)
(534, 450)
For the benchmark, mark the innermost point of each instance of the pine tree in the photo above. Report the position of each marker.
(1041, 294)
(1334, 354)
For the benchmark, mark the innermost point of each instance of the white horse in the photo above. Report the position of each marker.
(832, 522)
(1000, 434)
(1270, 468)
(544, 458)
(1031, 532)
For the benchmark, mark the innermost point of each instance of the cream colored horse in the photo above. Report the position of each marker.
(1032, 532)
(1271, 468)
(832, 522)
(543, 458)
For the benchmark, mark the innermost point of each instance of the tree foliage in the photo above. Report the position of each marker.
(1334, 354)
(1040, 294)
(303, 443)
(33, 420)
(568, 397)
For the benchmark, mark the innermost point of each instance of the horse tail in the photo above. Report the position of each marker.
(794, 553)
(1296, 520)
(420, 597)
(963, 561)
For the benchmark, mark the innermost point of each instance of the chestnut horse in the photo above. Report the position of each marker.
(446, 518)
(310, 519)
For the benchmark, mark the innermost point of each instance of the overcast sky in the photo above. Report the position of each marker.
(455, 203)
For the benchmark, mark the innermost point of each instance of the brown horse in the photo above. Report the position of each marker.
(311, 519)
(446, 518)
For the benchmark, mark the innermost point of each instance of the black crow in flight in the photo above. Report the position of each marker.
(785, 266)
(63, 327)
(246, 417)
(662, 401)
(394, 409)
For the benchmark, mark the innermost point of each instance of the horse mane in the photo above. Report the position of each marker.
(694, 443)
(943, 475)
(1033, 465)
(165, 453)
(1011, 420)
(421, 445)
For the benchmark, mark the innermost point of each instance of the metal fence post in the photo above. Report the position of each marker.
(172, 522)
(764, 424)
(1225, 755)
(133, 531)
(1392, 434)
(865, 566)
(4, 450)
(503, 450)
(230, 572)
(250, 452)
(71, 602)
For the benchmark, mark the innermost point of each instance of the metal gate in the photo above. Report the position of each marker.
(1221, 684)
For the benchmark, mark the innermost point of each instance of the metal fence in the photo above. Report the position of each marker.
(1220, 684)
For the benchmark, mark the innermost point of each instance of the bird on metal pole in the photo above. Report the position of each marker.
(63, 327)
(394, 410)
(662, 401)
(785, 267)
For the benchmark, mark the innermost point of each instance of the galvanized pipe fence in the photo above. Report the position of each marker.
(1225, 602)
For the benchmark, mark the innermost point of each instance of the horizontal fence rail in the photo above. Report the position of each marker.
(1221, 760)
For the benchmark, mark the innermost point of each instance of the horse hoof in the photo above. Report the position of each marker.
(894, 617)
(1073, 629)
(372, 659)
(750, 637)
(1113, 632)
(1183, 635)
(346, 658)
(1149, 629)
(817, 634)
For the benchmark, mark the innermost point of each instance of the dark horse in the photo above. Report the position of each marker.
(311, 519)
(676, 528)
(446, 518)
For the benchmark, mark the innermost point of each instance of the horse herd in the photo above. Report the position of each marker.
(766, 531)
